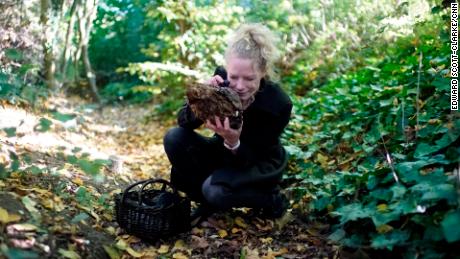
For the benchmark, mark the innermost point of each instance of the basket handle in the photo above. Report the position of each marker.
(129, 188)
(147, 182)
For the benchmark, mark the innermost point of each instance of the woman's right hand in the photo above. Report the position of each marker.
(215, 80)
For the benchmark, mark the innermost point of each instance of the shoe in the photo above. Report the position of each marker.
(278, 207)
(201, 213)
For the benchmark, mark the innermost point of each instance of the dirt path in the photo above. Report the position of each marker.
(56, 191)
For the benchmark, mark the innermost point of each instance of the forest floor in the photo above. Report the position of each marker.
(58, 201)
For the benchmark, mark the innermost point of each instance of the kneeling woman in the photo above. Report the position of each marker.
(236, 167)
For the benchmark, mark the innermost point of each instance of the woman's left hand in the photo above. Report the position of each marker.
(231, 136)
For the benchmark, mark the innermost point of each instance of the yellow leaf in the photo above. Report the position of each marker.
(4, 216)
(179, 256)
(163, 249)
(382, 207)
(111, 230)
(121, 244)
(112, 252)
(180, 244)
(235, 230)
(267, 240)
(240, 222)
(322, 159)
(133, 253)
(382, 229)
(222, 233)
(78, 181)
(2, 184)
(14, 217)
(47, 203)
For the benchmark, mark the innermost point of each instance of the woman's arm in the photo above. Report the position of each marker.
(187, 119)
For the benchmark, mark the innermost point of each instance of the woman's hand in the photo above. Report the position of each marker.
(231, 136)
(215, 80)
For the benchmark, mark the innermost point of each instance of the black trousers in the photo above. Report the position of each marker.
(194, 158)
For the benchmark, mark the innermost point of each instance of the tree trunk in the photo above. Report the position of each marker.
(67, 45)
(48, 62)
(86, 17)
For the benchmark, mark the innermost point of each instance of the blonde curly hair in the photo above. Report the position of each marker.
(256, 42)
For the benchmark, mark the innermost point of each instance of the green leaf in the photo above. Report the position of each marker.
(44, 125)
(338, 235)
(89, 167)
(112, 252)
(10, 132)
(433, 233)
(352, 212)
(63, 117)
(13, 54)
(79, 217)
(440, 191)
(451, 226)
(389, 240)
(14, 253)
(441, 83)
(398, 192)
(424, 149)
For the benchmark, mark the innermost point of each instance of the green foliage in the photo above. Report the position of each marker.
(16, 85)
(43, 125)
(372, 165)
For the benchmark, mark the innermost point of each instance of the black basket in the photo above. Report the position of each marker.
(152, 214)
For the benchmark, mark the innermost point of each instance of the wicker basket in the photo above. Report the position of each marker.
(151, 214)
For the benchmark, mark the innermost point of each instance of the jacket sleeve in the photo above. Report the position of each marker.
(266, 138)
(187, 119)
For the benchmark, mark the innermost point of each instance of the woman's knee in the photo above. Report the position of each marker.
(216, 195)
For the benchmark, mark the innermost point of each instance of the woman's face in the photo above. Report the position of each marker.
(243, 77)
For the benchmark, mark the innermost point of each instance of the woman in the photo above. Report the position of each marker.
(242, 167)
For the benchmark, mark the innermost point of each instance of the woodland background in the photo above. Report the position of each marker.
(375, 150)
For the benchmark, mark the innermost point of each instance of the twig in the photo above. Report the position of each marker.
(418, 93)
(403, 124)
(390, 162)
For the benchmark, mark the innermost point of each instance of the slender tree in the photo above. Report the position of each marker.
(48, 57)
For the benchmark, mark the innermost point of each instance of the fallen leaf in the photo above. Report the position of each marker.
(222, 233)
(236, 230)
(284, 220)
(240, 222)
(250, 253)
(179, 244)
(121, 244)
(78, 181)
(6, 218)
(23, 243)
(198, 242)
(163, 249)
(267, 240)
(133, 253)
(30, 206)
(280, 252)
(179, 256)
(16, 228)
(384, 228)
(69, 254)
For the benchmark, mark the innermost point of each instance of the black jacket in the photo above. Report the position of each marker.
(261, 158)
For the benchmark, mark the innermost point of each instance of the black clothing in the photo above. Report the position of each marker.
(259, 161)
